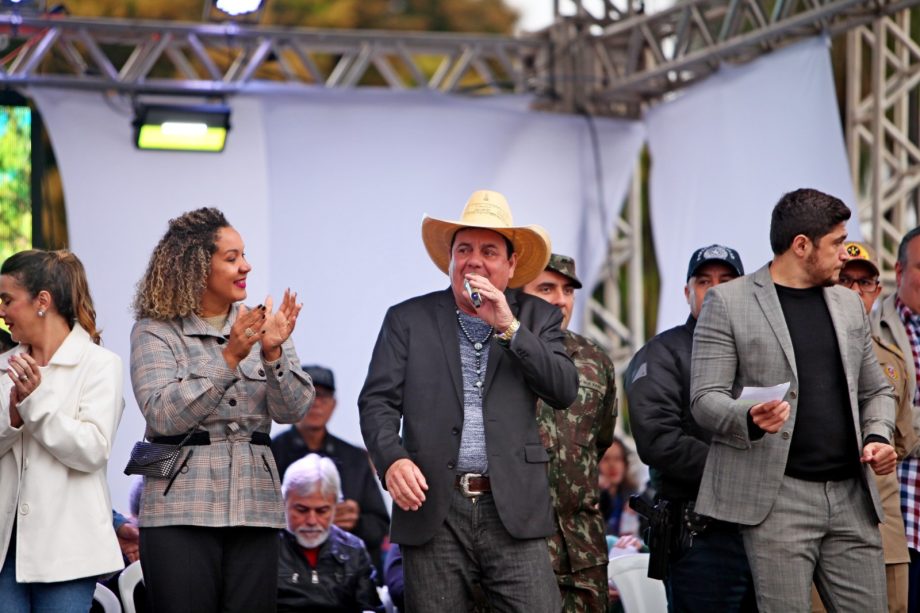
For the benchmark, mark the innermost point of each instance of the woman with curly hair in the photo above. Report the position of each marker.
(59, 409)
(202, 361)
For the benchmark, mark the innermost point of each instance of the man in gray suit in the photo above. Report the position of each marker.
(793, 471)
(461, 370)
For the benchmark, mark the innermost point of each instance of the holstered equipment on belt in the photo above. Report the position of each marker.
(660, 531)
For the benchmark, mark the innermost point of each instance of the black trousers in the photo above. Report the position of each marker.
(192, 569)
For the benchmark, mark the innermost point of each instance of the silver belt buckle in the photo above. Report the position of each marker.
(465, 485)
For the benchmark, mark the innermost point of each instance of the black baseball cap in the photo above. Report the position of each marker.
(715, 253)
(320, 375)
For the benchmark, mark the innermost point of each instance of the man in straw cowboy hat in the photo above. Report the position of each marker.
(468, 474)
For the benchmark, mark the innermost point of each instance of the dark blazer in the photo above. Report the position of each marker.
(415, 378)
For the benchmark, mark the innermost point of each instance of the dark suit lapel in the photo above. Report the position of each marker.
(765, 293)
(447, 328)
(496, 352)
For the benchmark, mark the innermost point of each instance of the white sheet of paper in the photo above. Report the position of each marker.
(756, 395)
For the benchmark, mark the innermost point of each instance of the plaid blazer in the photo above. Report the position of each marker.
(180, 376)
(741, 339)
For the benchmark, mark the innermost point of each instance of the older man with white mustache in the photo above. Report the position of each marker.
(321, 566)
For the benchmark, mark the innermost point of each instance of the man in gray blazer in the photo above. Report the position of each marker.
(461, 370)
(793, 471)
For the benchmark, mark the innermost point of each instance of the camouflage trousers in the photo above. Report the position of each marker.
(584, 591)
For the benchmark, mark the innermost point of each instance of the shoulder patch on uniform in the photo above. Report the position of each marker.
(891, 371)
(597, 386)
(640, 372)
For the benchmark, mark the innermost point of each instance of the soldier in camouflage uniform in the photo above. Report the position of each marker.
(576, 439)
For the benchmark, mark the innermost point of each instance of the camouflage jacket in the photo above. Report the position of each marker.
(575, 440)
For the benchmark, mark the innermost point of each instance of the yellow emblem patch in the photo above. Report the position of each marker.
(890, 371)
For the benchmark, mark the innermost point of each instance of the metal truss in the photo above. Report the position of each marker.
(219, 60)
(607, 66)
(883, 131)
(615, 321)
(612, 68)
(612, 64)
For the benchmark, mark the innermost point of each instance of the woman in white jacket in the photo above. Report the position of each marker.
(59, 407)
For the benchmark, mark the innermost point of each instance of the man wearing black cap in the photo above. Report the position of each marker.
(362, 512)
(707, 569)
(576, 440)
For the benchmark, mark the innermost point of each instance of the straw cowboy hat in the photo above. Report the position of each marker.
(490, 210)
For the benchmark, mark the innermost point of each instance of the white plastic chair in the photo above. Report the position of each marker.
(638, 593)
(127, 581)
(106, 599)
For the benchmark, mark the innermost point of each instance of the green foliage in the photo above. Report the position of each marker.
(15, 180)
(417, 15)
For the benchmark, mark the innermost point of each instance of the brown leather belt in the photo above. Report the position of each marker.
(472, 485)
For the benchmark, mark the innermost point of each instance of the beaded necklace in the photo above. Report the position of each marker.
(477, 345)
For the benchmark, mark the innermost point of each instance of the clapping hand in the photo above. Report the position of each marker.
(26, 376)
(245, 332)
(279, 325)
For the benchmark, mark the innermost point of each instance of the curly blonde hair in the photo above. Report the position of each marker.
(179, 266)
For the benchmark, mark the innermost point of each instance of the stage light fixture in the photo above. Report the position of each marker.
(238, 7)
(241, 11)
(166, 127)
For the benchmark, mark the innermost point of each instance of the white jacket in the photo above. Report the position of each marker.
(53, 468)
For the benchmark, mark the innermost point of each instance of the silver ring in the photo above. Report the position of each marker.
(248, 332)
(23, 377)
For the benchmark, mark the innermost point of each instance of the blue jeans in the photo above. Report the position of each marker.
(711, 575)
(473, 549)
(74, 596)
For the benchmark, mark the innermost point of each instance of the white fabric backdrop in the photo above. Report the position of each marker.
(725, 150)
(328, 192)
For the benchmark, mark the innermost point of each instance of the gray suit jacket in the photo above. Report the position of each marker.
(415, 381)
(742, 340)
